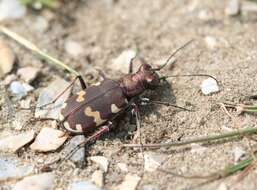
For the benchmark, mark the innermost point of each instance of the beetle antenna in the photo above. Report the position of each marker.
(191, 75)
(29, 45)
(172, 55)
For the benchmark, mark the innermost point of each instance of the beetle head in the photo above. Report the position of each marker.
(149, 77)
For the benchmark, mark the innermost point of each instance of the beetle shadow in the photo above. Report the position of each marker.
(125, 124)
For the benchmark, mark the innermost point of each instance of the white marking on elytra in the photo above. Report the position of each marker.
(81, 95)
(67, 126)
(114, 108)
(61, 117)
(95, 114)
(79, 128)
(96, 84)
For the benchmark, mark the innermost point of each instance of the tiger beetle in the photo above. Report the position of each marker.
(92, 110)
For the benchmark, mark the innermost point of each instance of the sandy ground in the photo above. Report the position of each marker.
(155, 28)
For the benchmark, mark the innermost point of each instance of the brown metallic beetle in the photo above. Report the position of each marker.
(97, 106)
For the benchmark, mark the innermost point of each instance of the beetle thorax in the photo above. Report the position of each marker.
(136, 83)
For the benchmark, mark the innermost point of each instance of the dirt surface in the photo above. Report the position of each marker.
(155, 28)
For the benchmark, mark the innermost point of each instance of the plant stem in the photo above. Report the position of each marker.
(237, 133)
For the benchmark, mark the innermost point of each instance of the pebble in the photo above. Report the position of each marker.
(9, 78)
(209, 86)
(123, 167)
(233, 8)
(150, 187)
(48, 139)
(44, 181)
(98, 178)
(121, 63)
(249, 7)
(73, 48)
(82, 185)
(20, 89)
(79, 156)
(12, 168)
(11, 9)
(25, 103)
(7, 57)
(28, 74)
(48, 94)
(130, 182)
(41, 24)
(101, 161)
(211, 42)
(13, 143)
(222, 186)
(205, 15)
(153, 161)
(238, 154)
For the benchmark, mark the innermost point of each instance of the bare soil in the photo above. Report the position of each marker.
(155, 28)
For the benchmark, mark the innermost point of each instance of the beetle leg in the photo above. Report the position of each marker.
(147, 101)
(83, 85)
(34, 120)
(101, 73)
(131, 65)
(135, 112)
(82, 82)
(93, 137)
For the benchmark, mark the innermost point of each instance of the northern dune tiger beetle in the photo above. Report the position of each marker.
(92, 110)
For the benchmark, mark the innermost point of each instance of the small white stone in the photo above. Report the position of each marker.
(101, 161)
(153, 161)
(73, 48)
(211, 42)
(150, 187)
(205, 15)
(28, 74)
(121, 63)
(196, 148)
(15, 142)
(130, 182)
(222, 186)
(20, 89)
(209, 86)
(11, 9)
(233, 8)
(123, 167)
(48, 140)
(44, 181)
(249, 7)
(98, 178)
(238, 153)
(7, 58)
(25, 103)
(83, 185)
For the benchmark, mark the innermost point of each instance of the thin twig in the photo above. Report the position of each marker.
(237, 133)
